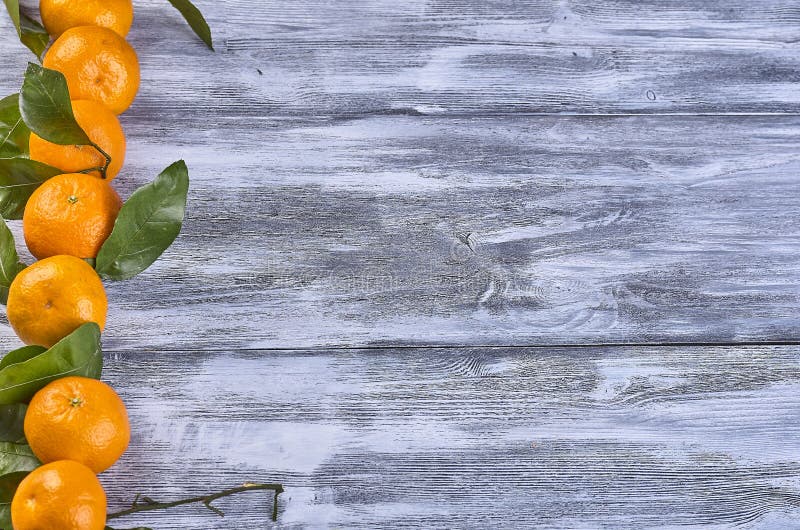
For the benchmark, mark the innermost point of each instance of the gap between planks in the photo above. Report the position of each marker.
(566, 346)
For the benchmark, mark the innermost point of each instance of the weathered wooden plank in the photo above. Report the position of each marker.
(462, 57)
(309, 231)
(582, 230)
(309, 227)
(444, 438)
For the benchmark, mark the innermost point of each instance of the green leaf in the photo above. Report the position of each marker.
(12, 420)
(8, 487)
(46, 108)
(19, 178)
(30, 32)
(195, 19)
(76, 354)
(16, 458)
(9, 261)
(33, 35)
(20, 355)
(14, 133)
(146, 226)
(16, 461)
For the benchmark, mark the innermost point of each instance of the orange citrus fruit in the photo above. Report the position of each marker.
(77, 418)
(53, 297)
(98, 64)
(62, 495)
(60, 15)
(103, 128)
(70, 214)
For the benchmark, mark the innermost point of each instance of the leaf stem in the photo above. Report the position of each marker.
(100, 150)
(146, 504)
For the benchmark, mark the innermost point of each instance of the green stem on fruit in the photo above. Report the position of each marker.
(91, 170)
(104, 169)
(146, 504)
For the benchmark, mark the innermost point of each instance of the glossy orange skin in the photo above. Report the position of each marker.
(60, 15)
(62, 495)
(77, 418)
(99, 65)
(71, 214)
(53, 297)
(103, 128)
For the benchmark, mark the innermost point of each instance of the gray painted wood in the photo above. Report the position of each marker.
(400, 173)
(322, 57)
(478, 438)
(321, 226)
(598, 230)
(346, 57)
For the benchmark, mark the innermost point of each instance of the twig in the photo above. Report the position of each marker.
(104, 169)
(91, 170)
(146, 504)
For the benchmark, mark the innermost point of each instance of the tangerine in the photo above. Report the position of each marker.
(78, 418)
(62, 495)
(53, 297)
(71, 214)
(60, 15)
(103, 128)
(98, 64)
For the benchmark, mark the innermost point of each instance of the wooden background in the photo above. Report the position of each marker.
(521, 263)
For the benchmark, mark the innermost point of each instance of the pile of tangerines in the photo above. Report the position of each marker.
(78, 427)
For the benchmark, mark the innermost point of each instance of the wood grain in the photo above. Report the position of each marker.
(468, 438)
(382, 175)
(318, 225)
(411, 230)
(435, 57)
